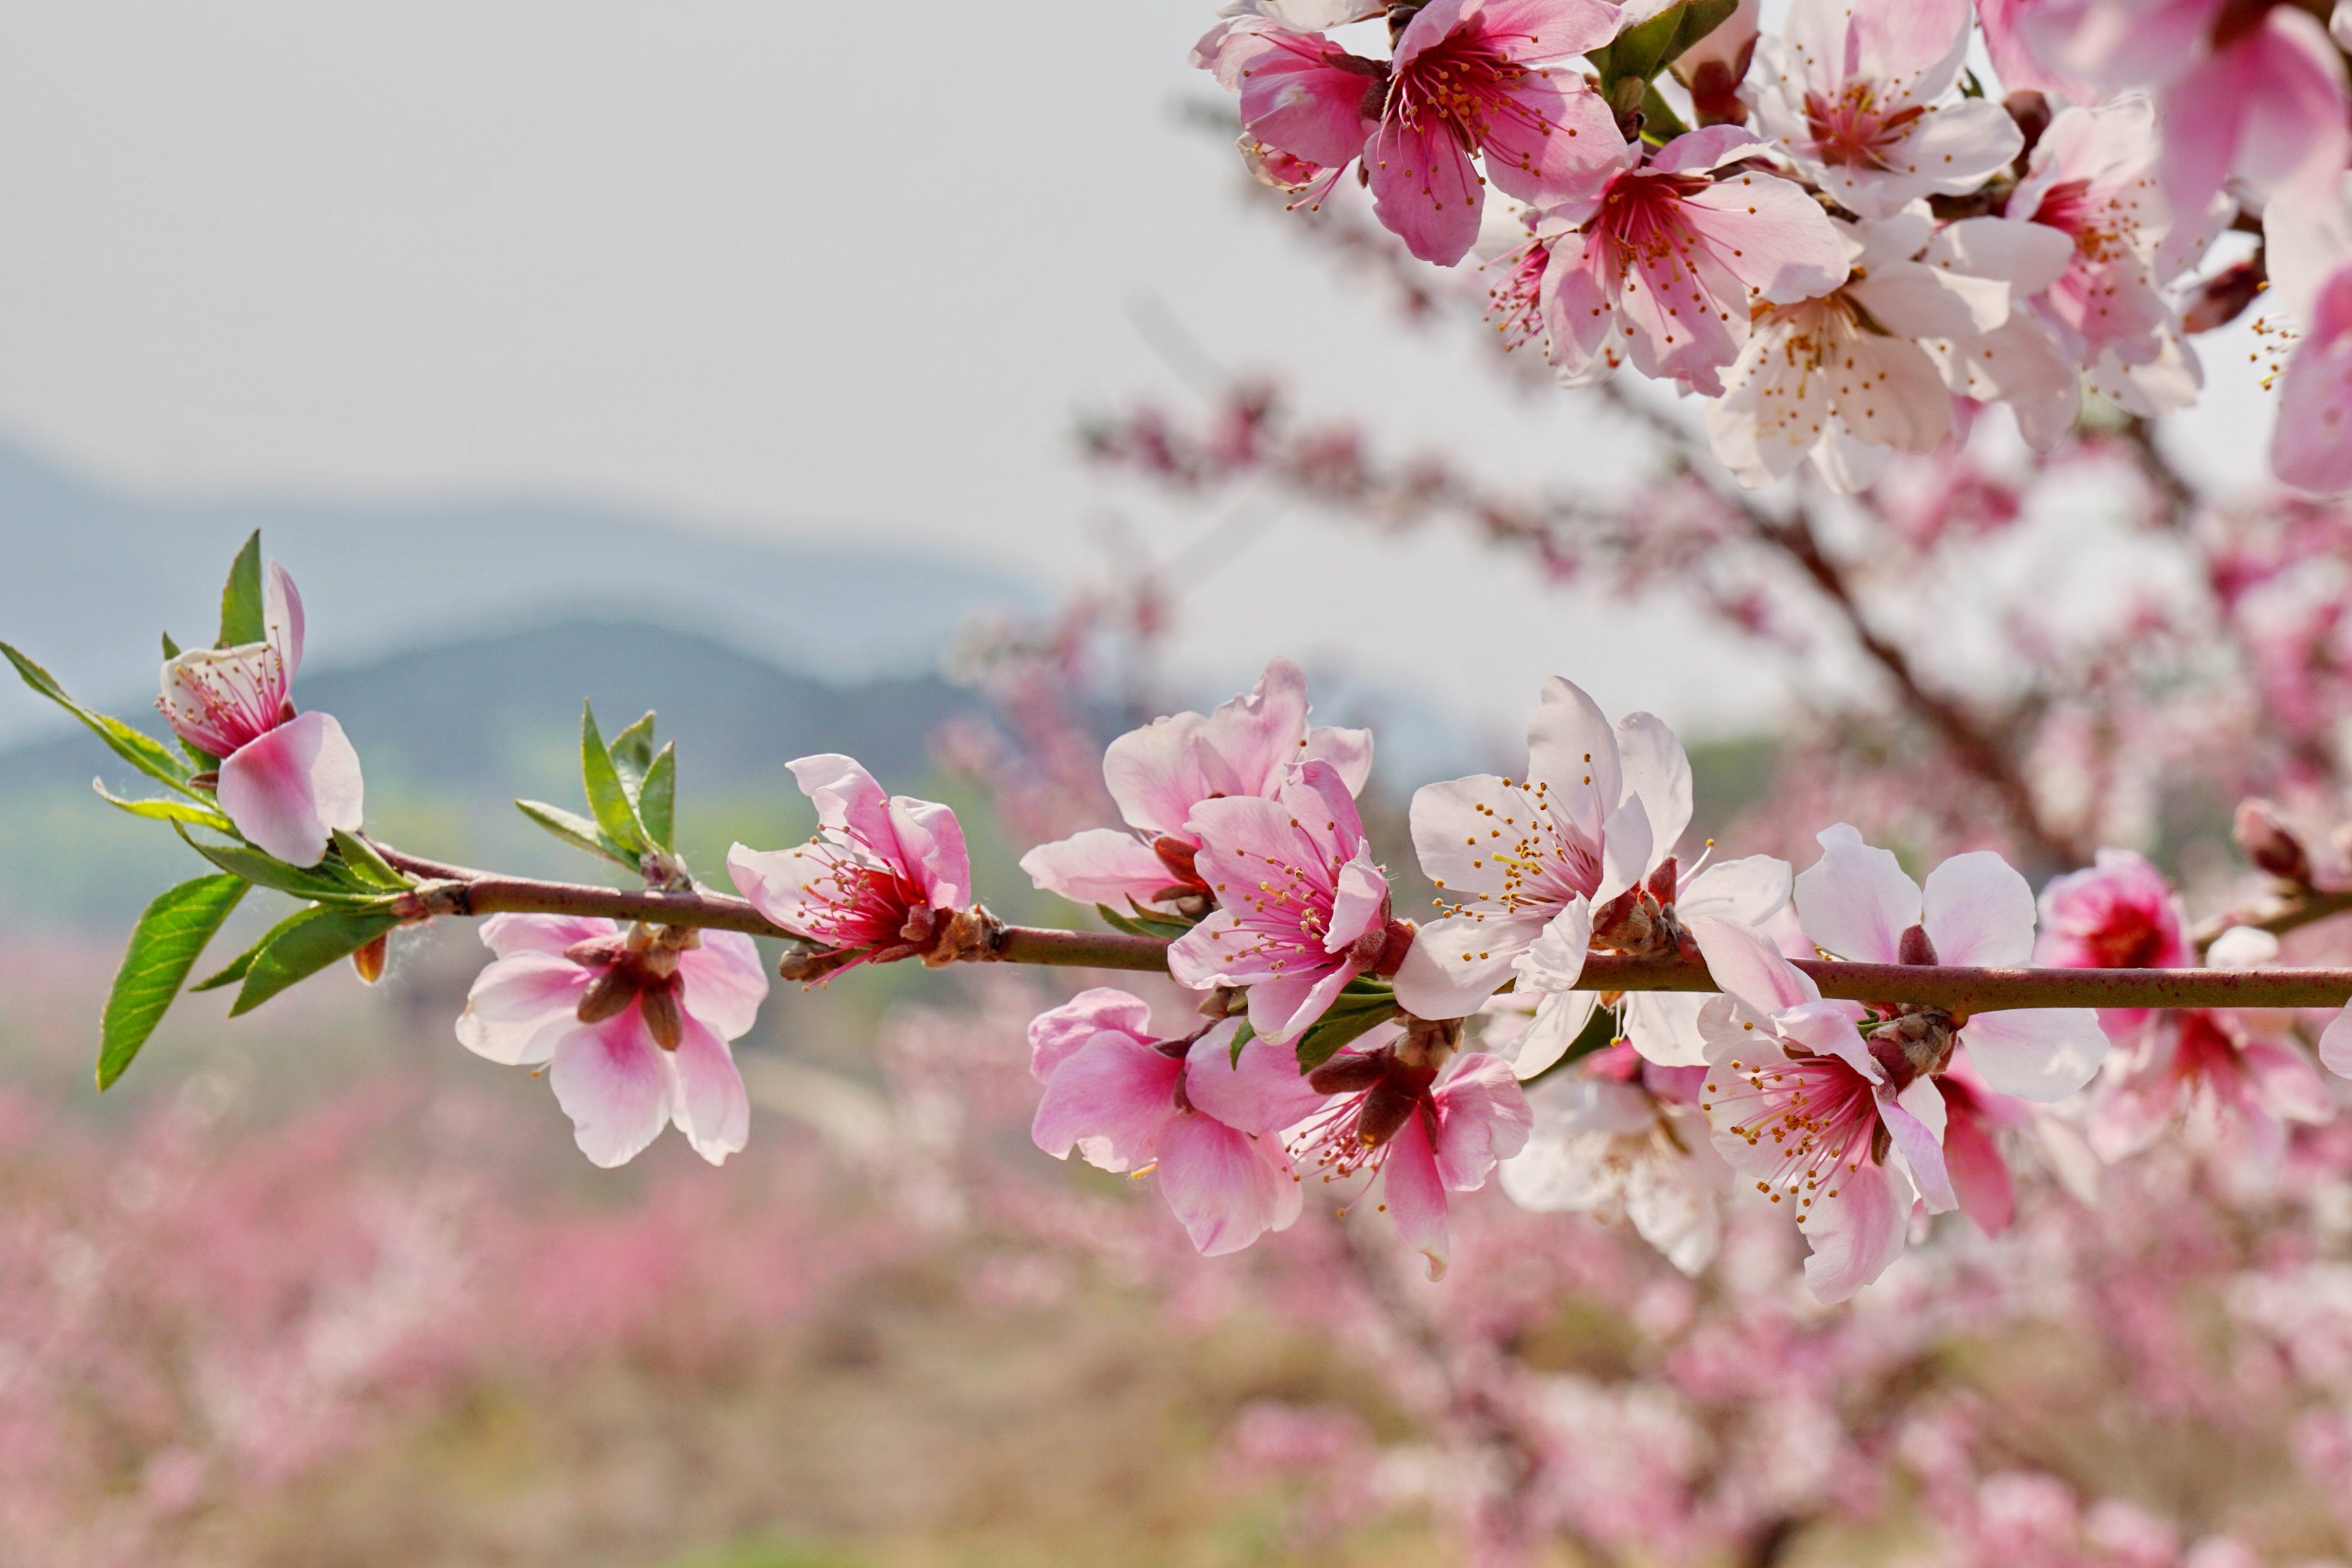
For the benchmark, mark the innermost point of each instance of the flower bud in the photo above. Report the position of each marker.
(608, 997)
(2269, 844)
(369, 961)
(1914, 947)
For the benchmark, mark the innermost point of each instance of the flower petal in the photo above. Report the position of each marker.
(1225, 1187)
(1110, 1101)
(521, 1006)
(1414, 1196)
(1482, 1117)
(2036, 1053)
(1058, 1033)
(725, 982)
(711, 1106)
(1856, 1230)
(1978, 911)
(290, 789)
(1855, 900)
(611, 1079)
(1099, 865)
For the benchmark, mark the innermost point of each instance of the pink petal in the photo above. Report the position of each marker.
(1978, 911)
(1827, 1028)
(1293, 96)
(725, 982)
(1283, 1006)
(2285, 1084)
(1746, 967)
(1456, 964)
(1426, 190)
(1566, 146)
(2335, 1044)
(522, 1006)
(1264, 1092)
(1413, 1194)
(1057, 1034)
(2311, 447)
(1769, 235)
(1359, 904)
(1247, 741)
(1981, 1178)
(289, 790)
(1099, 865)
(1572, 749)
(2041, 1054)
(1349, 751)
(611, 1079)
(1855, 900)
(1154, 773)
(1920, 1143)
(507, 935)
(845, 795)
(1227, 1188)
(710, 1107)
(1701, 150)
(930, 846)
(777, 882)
(1656, 772)
(282, 618)
(1482, 1117)
(1744, 892)
(1855, 1229)
(1110, 1101)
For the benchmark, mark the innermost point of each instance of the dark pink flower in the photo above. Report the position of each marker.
(2119, 913)
(2227, 1082)
(1469, 81)
(1308, 105)
(288, 780)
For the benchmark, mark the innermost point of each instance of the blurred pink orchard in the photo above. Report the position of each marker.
(1422, 1128)
(1659, 262)
(2235, 1087)
(1855, 902)
(1302, 907)
(1205, 1122)
(288, 780)
(1861, 96)
(1159, 774)
(877, 882)
(632, 1029)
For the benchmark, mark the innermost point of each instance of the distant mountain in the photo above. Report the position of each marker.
(93, 573)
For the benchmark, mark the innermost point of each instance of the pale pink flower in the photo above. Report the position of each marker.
(1624, 1138)
(1800, 1106)
(1469, 79)
(2231, 1085)
(632, 1030)
(1128, 1101)
(1303, 909)
(1860, 94)
(1420, 1132)
(1871, 366)
(2336, 1045)
(1662, 264)
(1158, 773)
(2092, 177)
(288, 780)
(1308, 105)
(2311, 446)
(873, 882)
(1857, 904)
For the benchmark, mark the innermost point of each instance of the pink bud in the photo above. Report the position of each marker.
(2269, 844)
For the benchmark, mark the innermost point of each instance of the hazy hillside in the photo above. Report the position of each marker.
(95, 572)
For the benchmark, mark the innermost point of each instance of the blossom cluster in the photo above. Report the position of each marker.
(1831, 232)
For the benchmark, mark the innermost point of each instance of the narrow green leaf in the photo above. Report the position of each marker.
(232, 972)
(305, 943)
(633, 753)
(149, 756)
(573, 829)
(361, 857)
(164, 946)
(658, 796)
(1119, 922)
(1242, 1036)
(607, 801)
(189, 811)
(1641, 52)
(242, 620)
(260, 869)
(1660, 123)
(170, 649)
(1322, 1042)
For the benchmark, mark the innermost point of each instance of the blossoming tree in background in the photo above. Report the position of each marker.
(1872, 318)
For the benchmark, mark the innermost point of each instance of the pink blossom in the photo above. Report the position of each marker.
(632, 1030)
(1976, 910)
(288, 781)
(1974, 1118)
(1802, 1107)
(1306, 105)
(1420, 1131)
(2231, 1086)
(1157, 774)
(1662, 263)
(871, 884)
(1871, 366)
(1860, 95)
(2119, 913)
(1303, 909)
(2266, 111)
(2092, 177)
(1130, 1101)
(2311, 447)
(1468, 79)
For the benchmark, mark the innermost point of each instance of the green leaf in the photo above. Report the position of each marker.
(361, 858)
(607, 801)
(189, 811)
(263, 871)
(1641, 52)
(166, 943)
(242, 617)
(234, 971)
(1660, 123)
(573, 829)
(1334, 1029)
(633, 753)
(304, 943)
(1242, 1036)
(170, 649)
(1143, 922)
(149, 756)
(658, 796)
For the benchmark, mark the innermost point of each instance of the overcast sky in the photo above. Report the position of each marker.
(770, 267)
